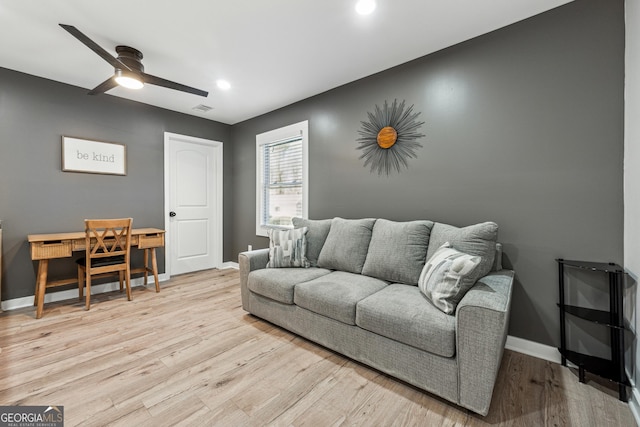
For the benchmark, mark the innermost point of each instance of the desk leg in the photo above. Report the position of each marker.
(146, 264)
(41, 285)
(154, 265)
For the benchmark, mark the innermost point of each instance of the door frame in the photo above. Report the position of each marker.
(218, 220)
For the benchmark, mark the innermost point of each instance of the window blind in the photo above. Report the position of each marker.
(282, 179)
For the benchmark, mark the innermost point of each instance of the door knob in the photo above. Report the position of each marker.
(172, 214)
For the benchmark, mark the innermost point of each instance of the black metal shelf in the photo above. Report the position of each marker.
(611, 369)
(603, 368)
(607, 267)
(601, 317)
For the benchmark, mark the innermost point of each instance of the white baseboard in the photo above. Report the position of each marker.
(16, 303)
(230, 264)
(531, 348)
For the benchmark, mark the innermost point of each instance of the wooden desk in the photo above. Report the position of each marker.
(45, 247)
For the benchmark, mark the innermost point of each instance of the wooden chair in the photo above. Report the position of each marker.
(108, 249)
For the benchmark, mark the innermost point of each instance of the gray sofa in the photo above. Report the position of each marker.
(359, 296)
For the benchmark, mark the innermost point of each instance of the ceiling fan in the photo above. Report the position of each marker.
(129, 71)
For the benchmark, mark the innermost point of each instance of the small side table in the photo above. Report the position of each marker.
(611, 369)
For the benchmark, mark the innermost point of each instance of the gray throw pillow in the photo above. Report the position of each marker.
(447, 277)
(346, 246)
(287, 248)
(398, 250)
(316, 236)
(497, 262)
(479, 239)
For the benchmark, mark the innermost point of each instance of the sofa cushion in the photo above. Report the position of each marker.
(278, 283)
(402, 313)
(346, 246)
(398, 250)
(335, 295)
(447, 276)
(478, 239)
(287, 248)
(316, 236)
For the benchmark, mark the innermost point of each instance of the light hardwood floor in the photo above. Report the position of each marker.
(191, 356)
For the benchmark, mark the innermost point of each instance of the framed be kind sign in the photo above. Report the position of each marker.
(83, 155)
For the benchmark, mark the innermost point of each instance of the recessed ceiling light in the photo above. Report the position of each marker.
(365, 7)
(223, 84)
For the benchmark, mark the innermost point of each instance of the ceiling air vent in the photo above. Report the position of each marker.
(202, 108)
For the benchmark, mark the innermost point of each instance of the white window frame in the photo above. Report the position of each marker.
(300, 129)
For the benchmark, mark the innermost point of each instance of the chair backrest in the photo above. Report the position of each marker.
(108, 238)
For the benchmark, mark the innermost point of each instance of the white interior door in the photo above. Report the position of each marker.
(193, 202)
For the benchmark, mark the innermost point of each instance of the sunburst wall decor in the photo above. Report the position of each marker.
(388, 139)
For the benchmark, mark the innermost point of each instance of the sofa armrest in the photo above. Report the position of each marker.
(482, 322)
(248, 262)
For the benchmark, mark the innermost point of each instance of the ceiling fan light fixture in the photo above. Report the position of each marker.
(128, 80)
(129, 71)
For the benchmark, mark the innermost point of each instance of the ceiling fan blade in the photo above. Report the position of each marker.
(153, 80)
(106, 85)
(95, 47)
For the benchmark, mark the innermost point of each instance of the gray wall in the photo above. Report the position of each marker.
(524, 127)
(37, 197)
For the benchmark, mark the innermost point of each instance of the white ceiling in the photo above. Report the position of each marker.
(273, 52)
